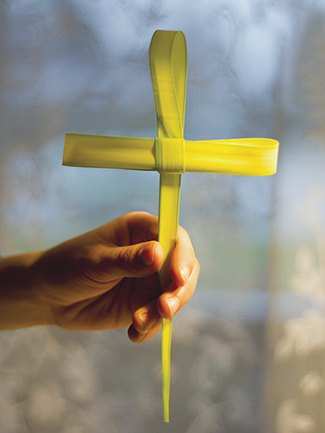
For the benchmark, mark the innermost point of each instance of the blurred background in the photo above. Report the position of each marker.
(248, 350)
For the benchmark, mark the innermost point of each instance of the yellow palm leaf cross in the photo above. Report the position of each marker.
(171, 155)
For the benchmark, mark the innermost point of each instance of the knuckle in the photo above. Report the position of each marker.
(125, 259)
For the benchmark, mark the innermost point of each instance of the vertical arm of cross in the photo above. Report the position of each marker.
(168, 66)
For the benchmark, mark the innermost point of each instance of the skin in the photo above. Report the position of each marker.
(104, 279)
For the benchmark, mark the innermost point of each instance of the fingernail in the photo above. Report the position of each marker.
(148, 255)
(173, 304)
(185, 272)
(148, 320)
(141, 337)
(144, 320)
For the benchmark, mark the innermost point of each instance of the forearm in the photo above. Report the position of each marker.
(19, 306)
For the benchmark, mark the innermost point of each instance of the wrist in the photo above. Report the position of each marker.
(20, 307)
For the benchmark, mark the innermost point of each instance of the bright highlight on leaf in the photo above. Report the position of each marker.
(171, 155)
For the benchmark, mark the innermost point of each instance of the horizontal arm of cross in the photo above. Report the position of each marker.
(245, 157)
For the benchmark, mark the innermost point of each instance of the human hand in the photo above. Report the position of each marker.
(107, 278)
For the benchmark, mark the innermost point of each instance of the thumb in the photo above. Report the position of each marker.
(137, 260)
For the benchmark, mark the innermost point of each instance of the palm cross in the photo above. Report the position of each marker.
(171, 155)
